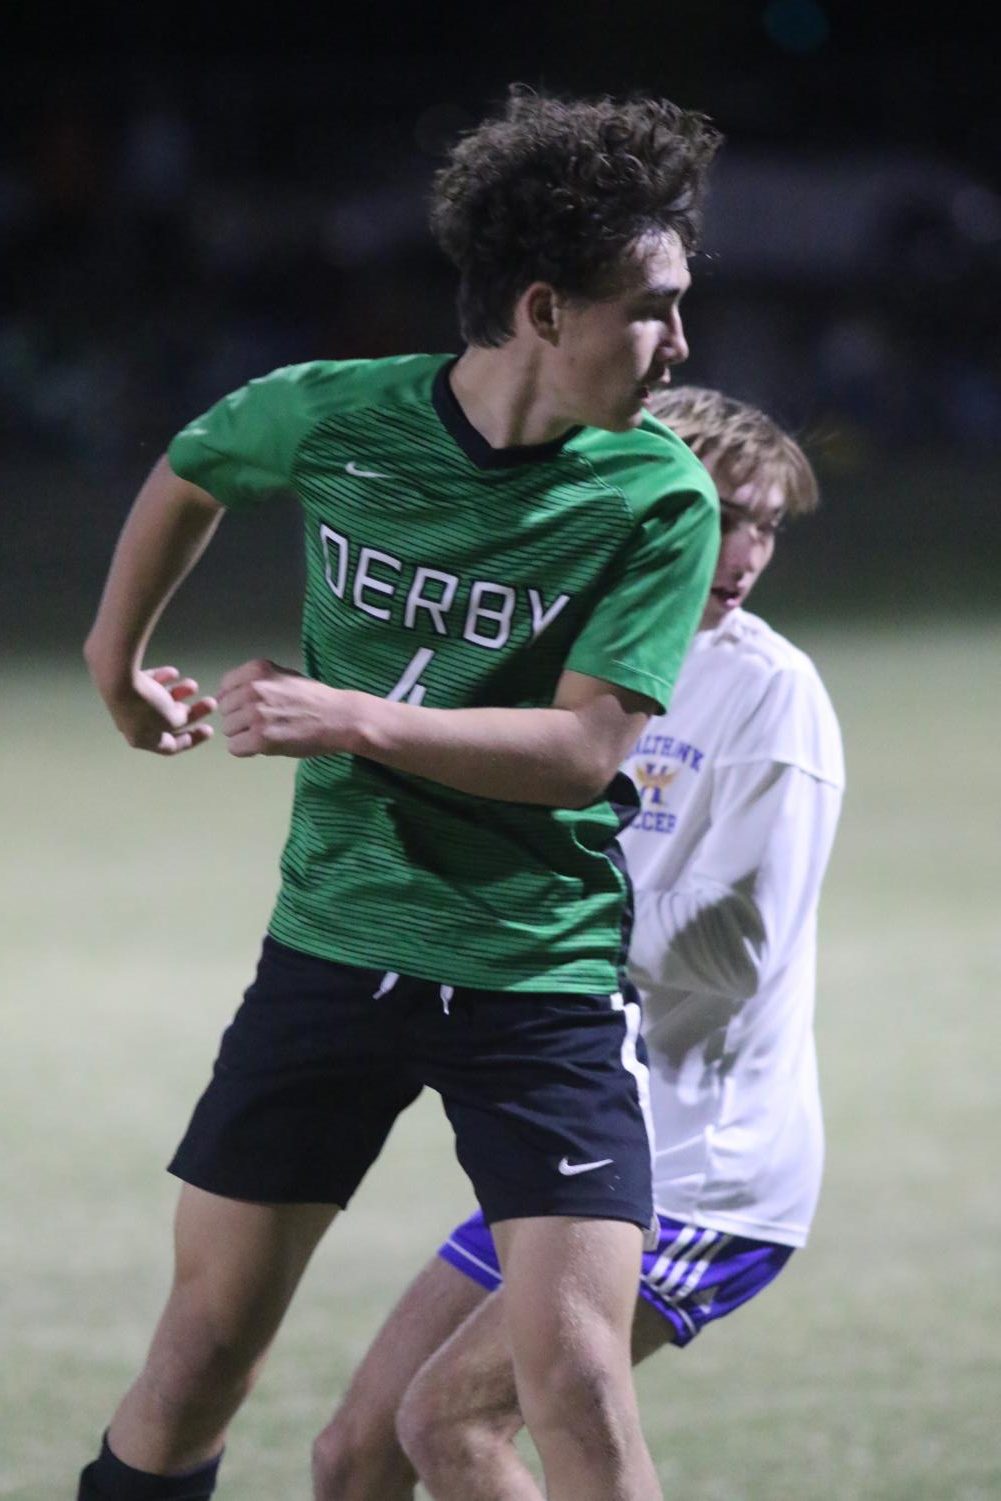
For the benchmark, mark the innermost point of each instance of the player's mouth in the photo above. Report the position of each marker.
(728, 596)
(656, 378)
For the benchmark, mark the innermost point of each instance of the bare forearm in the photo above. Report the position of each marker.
(166, 532)
(561, 757)
(513, 755)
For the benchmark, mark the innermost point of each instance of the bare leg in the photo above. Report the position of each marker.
(357, 1457)
(570, 1294)
(236, 1268)
(460, 1414)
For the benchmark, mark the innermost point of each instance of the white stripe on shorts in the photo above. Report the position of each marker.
(674, 1252)
(678, 1271)
(681, 1266)
(483, 1265)
(630, 1062)
(700, 1267)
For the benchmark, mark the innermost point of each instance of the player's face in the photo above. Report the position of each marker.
(750, 517)
(612, 352)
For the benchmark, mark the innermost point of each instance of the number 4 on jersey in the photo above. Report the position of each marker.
(409, 689)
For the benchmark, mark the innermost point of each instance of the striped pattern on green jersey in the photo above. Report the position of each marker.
(442, 574)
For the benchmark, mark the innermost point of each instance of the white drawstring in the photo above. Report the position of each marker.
(390, 978)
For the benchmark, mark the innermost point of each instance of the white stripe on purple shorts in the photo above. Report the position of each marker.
(693, 1276)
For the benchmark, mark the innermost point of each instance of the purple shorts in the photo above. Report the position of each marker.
(693, 1276)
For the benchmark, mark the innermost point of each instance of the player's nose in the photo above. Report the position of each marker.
(737, 556)
(674, 345)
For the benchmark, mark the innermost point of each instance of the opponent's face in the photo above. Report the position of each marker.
(750, 517)
(610, 353)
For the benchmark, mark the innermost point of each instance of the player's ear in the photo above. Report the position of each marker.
(542, 309)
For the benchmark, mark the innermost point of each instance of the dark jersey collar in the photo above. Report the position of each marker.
(472, 442)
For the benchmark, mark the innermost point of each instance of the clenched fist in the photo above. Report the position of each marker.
(269, 710)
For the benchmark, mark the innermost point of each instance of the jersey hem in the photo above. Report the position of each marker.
(733, 1224)
(598, 979)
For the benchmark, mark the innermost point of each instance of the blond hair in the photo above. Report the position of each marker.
(739, 438)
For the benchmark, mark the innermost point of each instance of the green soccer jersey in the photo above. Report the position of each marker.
(445, 572)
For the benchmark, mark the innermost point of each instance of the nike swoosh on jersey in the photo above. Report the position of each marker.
(571, 1169)
(352, 468)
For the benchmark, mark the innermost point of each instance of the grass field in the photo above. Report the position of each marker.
(134, 894)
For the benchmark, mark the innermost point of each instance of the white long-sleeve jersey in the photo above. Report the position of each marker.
(741, 786)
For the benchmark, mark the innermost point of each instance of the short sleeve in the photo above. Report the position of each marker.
(242, 449)
(642, 625)
(792, 723)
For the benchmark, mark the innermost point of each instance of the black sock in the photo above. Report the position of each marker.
(110, 1479)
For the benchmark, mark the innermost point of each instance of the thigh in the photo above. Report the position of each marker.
(236, 1267)
(547, 1097)
(471, 1249)
(305, 1089)
(570, 1287)
(470, 1377)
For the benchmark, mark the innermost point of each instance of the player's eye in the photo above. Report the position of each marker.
(733, 517)
(660, 309)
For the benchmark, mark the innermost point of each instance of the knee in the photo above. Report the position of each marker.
(198, 1356)
(426, 1433)
(441, 1430)
(357, 1462)
(582, 1394)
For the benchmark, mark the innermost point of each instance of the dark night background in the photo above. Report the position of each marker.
(192, 196)
(189, 198)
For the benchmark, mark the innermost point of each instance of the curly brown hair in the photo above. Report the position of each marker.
(740, 439)
(559, 191)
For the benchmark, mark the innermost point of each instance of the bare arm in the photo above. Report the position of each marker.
(167, 530)
(561, 756)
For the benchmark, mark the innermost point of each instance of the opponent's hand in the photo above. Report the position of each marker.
(158, 711)
(269, 710)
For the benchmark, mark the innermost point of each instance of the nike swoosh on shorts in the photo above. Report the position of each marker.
(571, 1169)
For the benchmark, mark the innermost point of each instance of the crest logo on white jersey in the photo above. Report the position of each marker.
(654, 778)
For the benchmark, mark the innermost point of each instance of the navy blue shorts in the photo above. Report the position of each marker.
(691, 1277)
(546, 1092)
